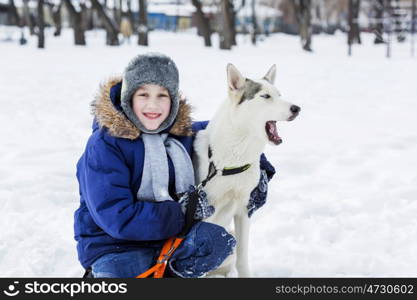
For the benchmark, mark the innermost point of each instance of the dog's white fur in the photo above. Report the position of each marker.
(237, 137)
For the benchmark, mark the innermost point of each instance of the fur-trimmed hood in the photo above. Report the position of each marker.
(108, 113)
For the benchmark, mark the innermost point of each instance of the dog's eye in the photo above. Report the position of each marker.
(266, 96)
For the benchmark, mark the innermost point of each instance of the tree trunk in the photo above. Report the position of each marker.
(143, 24)
(303, 15)
(14, 18)
(254, 23)
(26, 16)
(379, 25)
(57, 19)
(413, 25)
(226, 33)
(203, 24)
(353, 16)
(232, 25)
(55, 12)
(89, 17)
(112, 28)
(41, 25)
(398, 15)
(117, 11)
(77, 23)
(130, 15)
(85, 16)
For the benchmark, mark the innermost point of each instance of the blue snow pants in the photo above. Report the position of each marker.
(204, 248)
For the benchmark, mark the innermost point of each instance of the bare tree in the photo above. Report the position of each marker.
(41, 25)
(203, 24)
(378, 6)
(232, 20)
(226, 32)
(117, 11)
(76, 22)
(143, 24)
(86, 17)
(129, 14)
(303, 16)
(111, 27)
(398, 15)
(353, 18)
(55, 12)
(254, 23)
(28, 17)
(413, 25)
(14, 18)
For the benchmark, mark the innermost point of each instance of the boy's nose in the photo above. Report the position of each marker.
(152, 102)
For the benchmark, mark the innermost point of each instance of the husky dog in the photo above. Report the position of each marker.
(235, 137)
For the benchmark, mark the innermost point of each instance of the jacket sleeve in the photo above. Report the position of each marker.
(113, 206)
(199, 125)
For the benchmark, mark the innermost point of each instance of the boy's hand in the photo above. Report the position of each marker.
(203, 208)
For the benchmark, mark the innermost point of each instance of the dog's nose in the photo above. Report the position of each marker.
(295, 109)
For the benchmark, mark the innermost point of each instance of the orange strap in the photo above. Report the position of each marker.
(168, 249)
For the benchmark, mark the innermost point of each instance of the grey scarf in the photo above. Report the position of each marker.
(155, 175)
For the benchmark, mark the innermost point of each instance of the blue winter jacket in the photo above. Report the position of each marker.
(110, 218)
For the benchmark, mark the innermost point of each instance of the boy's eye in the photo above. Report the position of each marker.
(143, 95)
(163, 95)
(266, 96)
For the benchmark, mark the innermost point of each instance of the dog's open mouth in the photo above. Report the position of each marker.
(272, 133)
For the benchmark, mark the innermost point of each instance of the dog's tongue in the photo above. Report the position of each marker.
(271, 130)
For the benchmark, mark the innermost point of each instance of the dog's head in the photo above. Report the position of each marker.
(258, 104)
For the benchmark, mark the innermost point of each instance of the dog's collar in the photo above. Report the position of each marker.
(225, 172)
(229, 170)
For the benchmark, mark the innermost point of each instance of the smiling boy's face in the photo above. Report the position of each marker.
(151, 103)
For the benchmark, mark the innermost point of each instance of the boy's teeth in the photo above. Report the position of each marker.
(153, 115)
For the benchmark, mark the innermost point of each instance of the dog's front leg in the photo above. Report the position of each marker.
(242, 238)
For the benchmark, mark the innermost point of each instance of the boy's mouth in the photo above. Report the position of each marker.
(152, 116)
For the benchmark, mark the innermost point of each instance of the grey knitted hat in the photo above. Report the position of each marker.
(150, 68)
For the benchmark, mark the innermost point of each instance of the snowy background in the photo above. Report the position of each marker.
(344, 202)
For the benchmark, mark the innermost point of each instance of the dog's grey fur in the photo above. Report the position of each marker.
(251, 89)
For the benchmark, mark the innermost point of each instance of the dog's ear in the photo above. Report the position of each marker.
(270, 75)
(235, 80)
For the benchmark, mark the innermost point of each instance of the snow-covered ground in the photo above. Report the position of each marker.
(344, 202)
